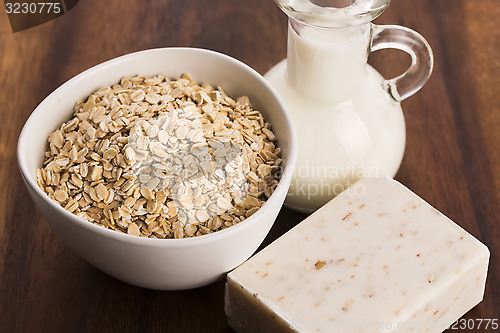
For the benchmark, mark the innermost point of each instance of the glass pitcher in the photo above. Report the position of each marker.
(348, 118)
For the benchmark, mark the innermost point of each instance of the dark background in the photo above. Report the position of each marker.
(452, 156)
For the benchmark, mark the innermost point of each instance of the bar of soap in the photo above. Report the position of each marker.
(377, 258)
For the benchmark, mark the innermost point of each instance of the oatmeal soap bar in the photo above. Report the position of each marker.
(377, 258)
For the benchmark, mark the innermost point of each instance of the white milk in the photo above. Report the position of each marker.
(347, 125)
(327, 65)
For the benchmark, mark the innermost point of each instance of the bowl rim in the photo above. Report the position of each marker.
(283, 183)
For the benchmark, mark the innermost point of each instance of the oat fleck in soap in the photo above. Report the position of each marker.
(377, 258)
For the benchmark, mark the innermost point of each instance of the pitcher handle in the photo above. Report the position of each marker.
(411, 42)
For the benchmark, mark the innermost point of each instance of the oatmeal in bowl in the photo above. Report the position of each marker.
(162, 158)
(161, 179)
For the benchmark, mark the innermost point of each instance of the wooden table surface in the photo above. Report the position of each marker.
(452, 155)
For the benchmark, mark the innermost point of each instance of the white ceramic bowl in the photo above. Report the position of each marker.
(165, 264)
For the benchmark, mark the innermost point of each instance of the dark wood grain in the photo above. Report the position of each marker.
(452, 156)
